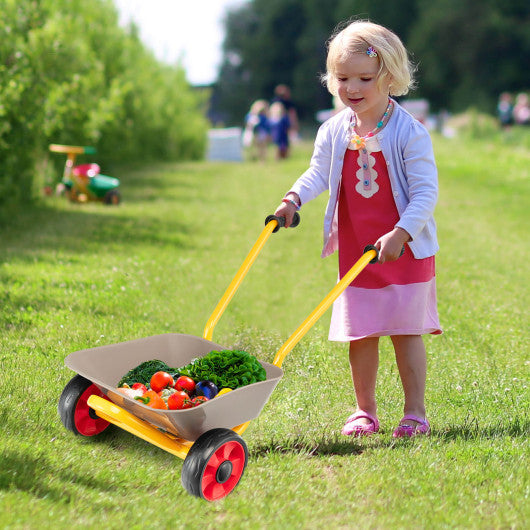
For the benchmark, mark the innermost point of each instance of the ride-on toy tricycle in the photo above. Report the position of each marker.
(207, 437)
(84, 182)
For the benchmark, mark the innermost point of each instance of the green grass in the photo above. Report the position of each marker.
(78, 276)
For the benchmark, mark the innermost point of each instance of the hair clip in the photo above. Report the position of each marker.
(371, 52)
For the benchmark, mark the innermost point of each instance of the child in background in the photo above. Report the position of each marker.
(505, 110)
(521, 109)
(280, 125)
(282, 94)
(377, 164)
(257, 130)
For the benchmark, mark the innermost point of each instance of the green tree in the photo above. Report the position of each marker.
(470, 51)
(467, 51)
(70, 74)
(271, 42)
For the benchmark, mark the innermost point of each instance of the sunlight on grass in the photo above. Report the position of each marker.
(78, 276)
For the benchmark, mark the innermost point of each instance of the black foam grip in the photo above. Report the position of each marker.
(371, 247)
(281, 221)
(376, 259)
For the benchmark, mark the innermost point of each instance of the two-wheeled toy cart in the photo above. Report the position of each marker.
(207, 437)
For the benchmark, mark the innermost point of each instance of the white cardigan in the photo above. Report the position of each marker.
(407, 148)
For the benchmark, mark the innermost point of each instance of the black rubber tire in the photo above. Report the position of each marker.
(112, 197)
(214, 464)
(73, 410)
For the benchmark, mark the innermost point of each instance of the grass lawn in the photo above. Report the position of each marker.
(78, 276)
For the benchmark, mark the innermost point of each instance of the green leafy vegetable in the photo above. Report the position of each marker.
(143, 372)
(226, 368)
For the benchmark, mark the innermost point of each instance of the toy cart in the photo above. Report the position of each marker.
(207, 437)
(84, 182)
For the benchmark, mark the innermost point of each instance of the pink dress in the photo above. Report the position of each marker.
(396, 298)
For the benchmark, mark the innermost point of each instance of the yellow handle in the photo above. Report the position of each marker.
(67, 149)
(238, 278)
(306, 325)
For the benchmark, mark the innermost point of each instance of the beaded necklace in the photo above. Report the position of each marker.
(359, 142)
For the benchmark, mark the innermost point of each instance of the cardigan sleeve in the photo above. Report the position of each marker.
(420, 171)
(315, 180)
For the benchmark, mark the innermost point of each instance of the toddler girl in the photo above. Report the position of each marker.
(377, 164)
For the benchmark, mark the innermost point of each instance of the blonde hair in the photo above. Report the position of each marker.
(259, 106)
(357, 37)
(277, 110)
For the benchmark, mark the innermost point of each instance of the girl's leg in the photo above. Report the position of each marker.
(411, 360)
(364, 362)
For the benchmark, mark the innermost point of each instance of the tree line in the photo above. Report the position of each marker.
(70, 74)
(467, 51)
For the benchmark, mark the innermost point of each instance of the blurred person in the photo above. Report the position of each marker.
(505, 109)
(279, 124)
(256, 136)
(282, 93)
(521, 109)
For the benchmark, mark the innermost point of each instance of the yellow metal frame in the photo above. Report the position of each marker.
(180, 447)
(306, 325)
(310, 320)
(238, 278)
(116, 415)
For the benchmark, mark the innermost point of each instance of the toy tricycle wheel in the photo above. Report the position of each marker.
(74, 411)
(112, 197)
(215, 464)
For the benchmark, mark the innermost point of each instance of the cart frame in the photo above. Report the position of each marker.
(117, 415)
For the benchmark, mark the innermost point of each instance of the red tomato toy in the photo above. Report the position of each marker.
(179, 400)
(198, 400)
(160, 380)
(185, 383)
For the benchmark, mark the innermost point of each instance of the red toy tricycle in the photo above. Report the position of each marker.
(84, 182)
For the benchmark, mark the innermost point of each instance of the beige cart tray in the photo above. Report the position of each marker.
(106, 365)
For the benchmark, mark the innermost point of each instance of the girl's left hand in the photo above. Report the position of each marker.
(390, 244)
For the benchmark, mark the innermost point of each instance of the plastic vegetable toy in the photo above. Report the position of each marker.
(140, 386)
(198, 400)
(152, 399)
(179, 400)
(226, 368)
(143, 372)
(206, 389)
(185, 383)
(160, 380)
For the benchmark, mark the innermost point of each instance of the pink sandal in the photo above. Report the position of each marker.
(350, 429)
(407, 431)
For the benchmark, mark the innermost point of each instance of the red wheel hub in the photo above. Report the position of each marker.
(86, 421)
(223, 471)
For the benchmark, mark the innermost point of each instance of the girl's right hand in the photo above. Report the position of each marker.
(287, 209)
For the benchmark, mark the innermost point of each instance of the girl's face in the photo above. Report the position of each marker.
(357, 86)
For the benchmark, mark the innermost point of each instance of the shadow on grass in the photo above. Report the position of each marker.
(142, 186)
(512, 428)
(81, 231)
(342, 446)
(38, 476)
